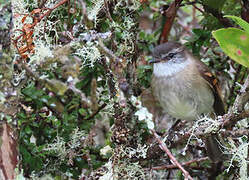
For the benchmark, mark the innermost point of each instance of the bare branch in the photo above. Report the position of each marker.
(172, 158)
(183, 164)
(108, 52)
(170, 14)
(242, 98)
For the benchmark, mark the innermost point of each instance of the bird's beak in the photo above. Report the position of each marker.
(154, 60)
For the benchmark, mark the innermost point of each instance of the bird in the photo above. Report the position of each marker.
(185, 88)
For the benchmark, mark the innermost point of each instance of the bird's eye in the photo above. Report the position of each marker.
(171, 55)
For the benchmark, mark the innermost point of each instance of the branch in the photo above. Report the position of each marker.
(170, 14)
(30, 72)
(226, 121)
(118, 69)
(237, 75)
(235, 133)
(231, 119)
(108, 11)
(108, 52)
(199, 9)
(242, 98)
(96, 112)
(50, 10)
(172, 158)
(183, 164)
(71, 85)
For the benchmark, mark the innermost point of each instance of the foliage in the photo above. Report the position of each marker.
(81, 114)
(234, 42)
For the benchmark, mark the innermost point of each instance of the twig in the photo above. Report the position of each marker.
(226, 121)
(50, 10)
(108, 11)
(183, 164)
(84, 100)
(94, 96)
(199, 9)
(185, 28)
(30, 72)
(172, 158)
(96, 112)
(235, 133)
(242, 98)
(233, 118)
(170, 14)
(110, 79)
(237, 75)
(70, 86)
(108, 52)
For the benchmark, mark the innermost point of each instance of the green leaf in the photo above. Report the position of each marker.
(82, 112)
(234, 42)
(32, 92)
(28, 130)
(242, 23)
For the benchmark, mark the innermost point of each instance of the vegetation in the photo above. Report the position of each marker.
(75, 94)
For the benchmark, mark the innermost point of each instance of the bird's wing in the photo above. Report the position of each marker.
(214, 85)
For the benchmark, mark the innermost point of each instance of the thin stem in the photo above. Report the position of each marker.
(172, 158)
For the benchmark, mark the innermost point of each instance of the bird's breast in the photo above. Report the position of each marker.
(184, 95)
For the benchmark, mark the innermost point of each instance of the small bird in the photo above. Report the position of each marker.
(185, 88)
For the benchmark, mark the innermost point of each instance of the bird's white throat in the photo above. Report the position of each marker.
(169, 68)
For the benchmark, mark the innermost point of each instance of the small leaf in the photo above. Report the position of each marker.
(242, 23)
(32, 92)
(28, 130)
(234, 42)
(82, 112)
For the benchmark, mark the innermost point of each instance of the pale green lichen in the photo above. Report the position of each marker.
(105, 150)
(209, 124)
(44, 177)
(89, 54)
(42, 50)
(62, 148)
(59, 147)
(239, 154)
(109, 172)
(19, 8)
(94, 10)
(119, 166)
(125, 169)
(204, 124)
(19, 174)
(139, 152)
(77, 137)
(132, 5)
(127, 36)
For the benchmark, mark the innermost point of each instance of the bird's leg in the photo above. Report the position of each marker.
(170, 133)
